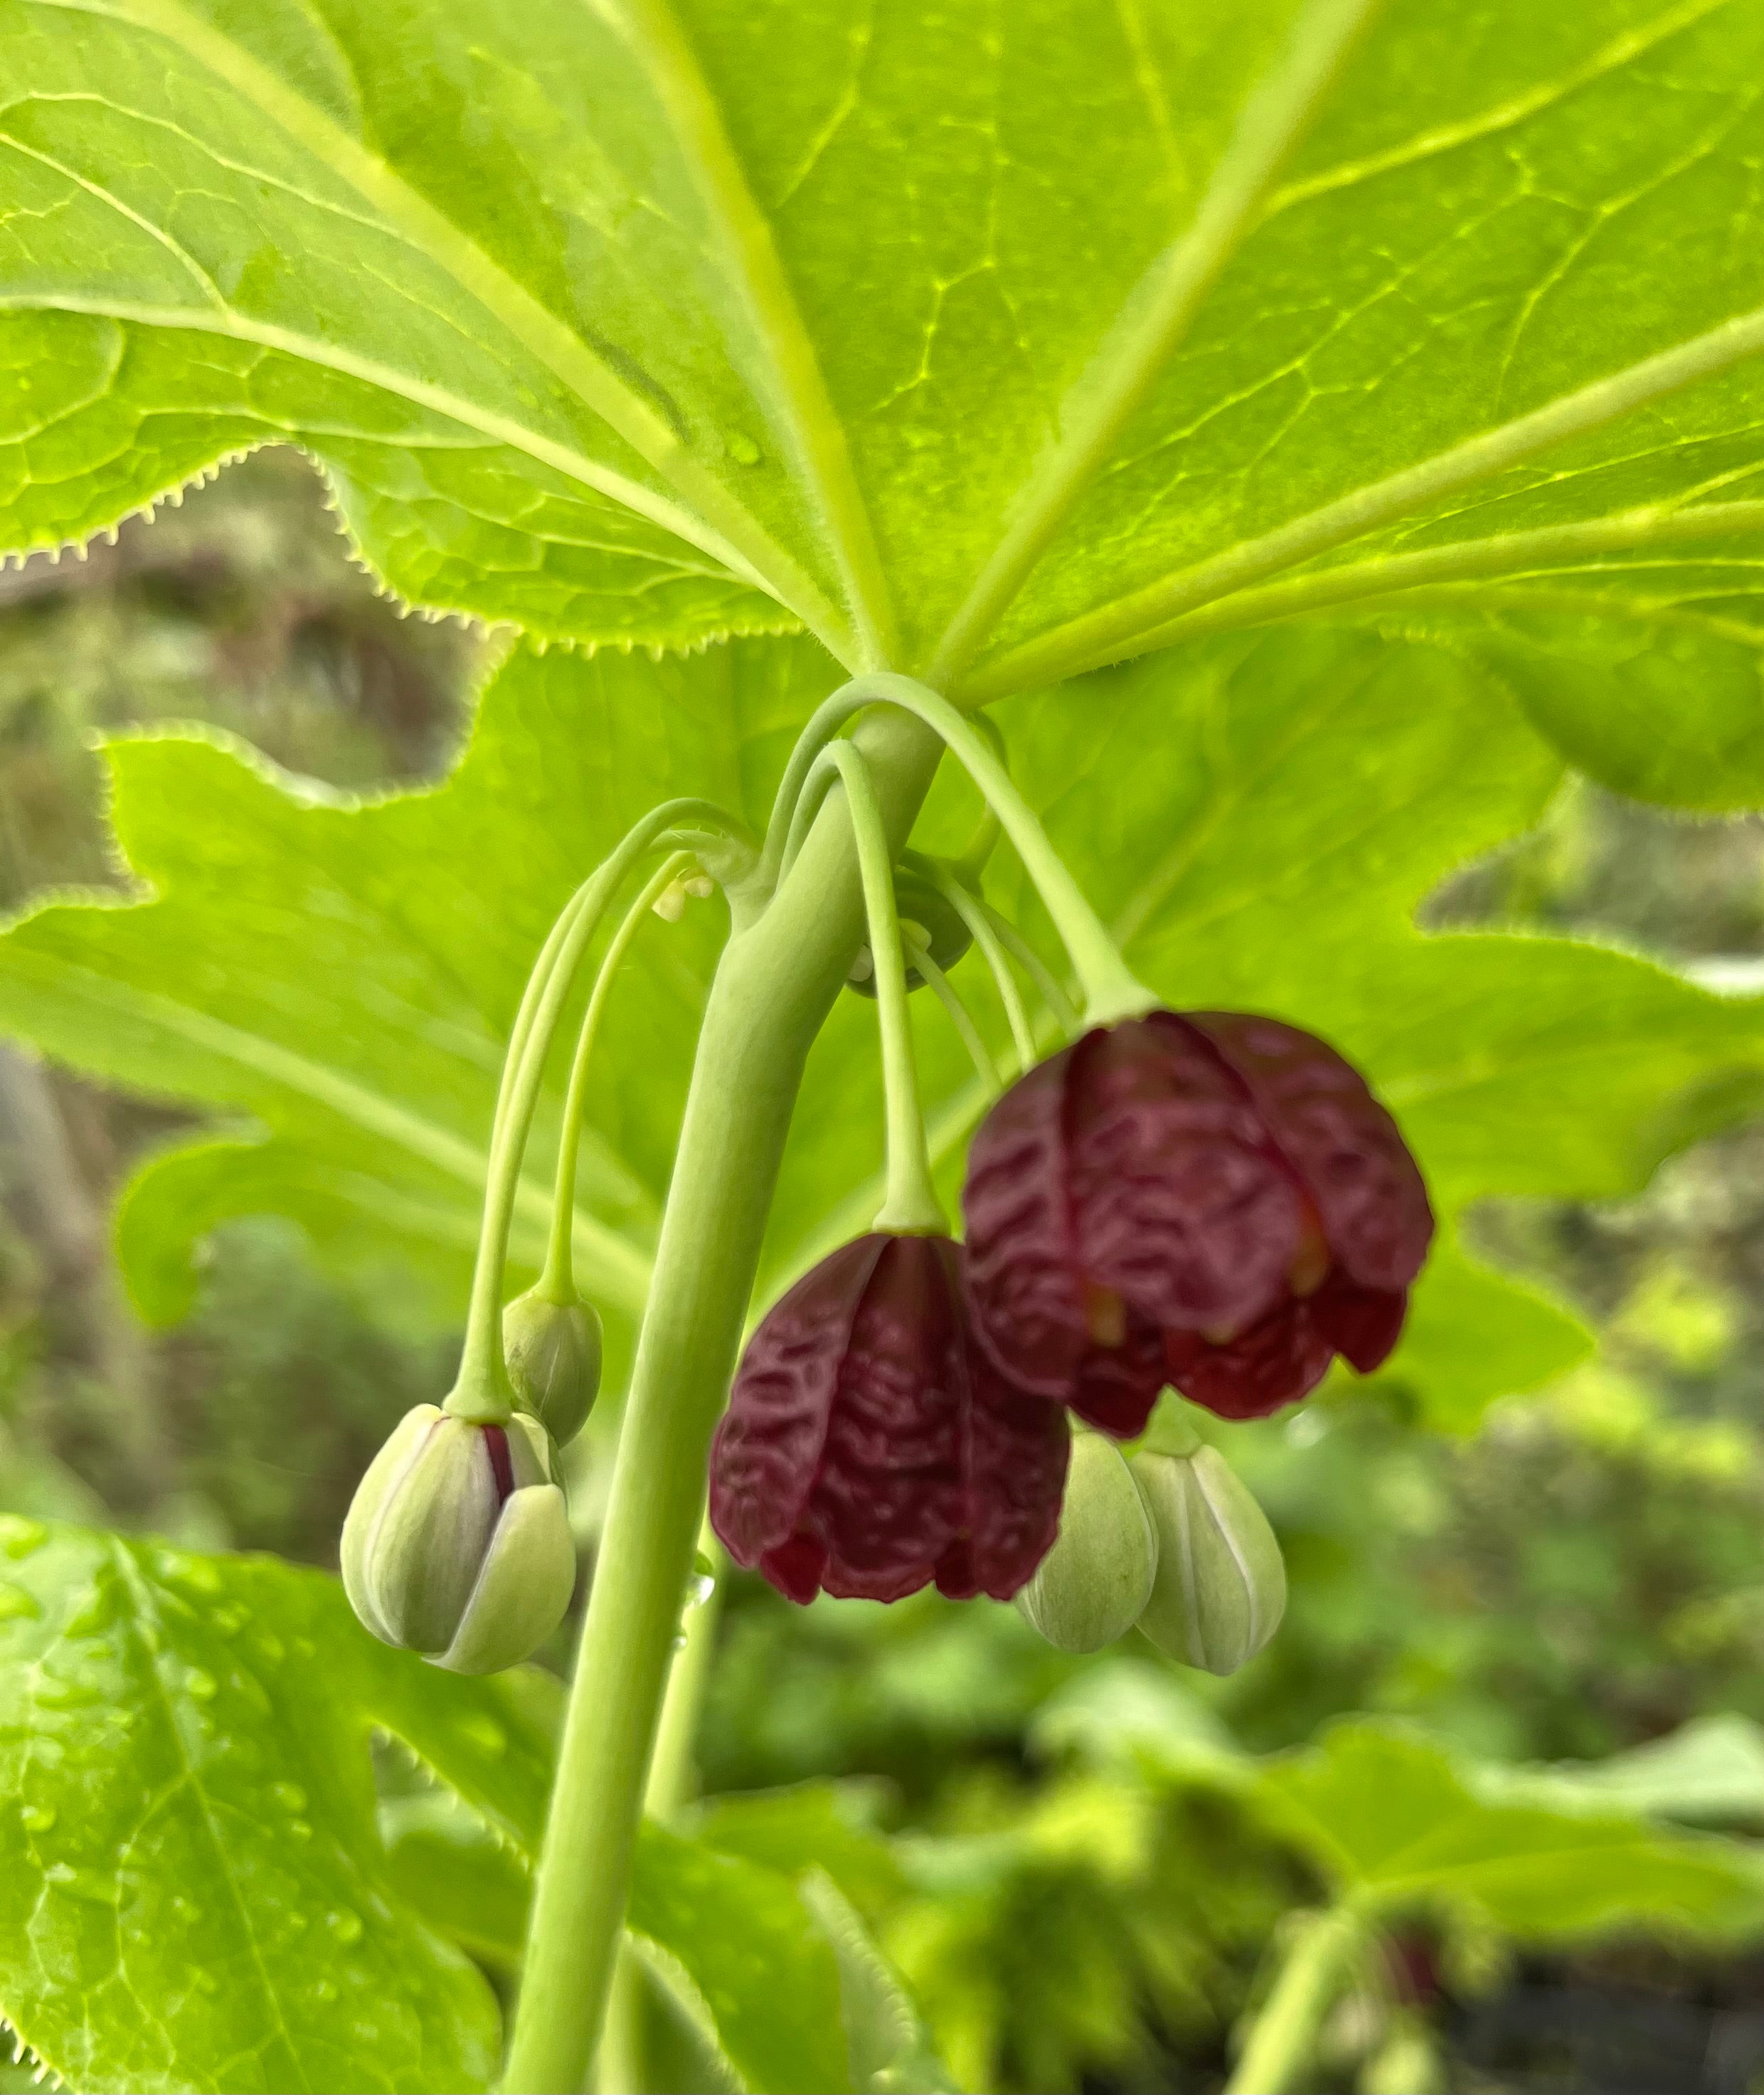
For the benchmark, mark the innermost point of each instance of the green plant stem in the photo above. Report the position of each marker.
(910, 1205)
(1110, 991)
(1283, 2038)
(619, 2068)
(992, 952)
(1064, 1012)
(985, 1068)
(557, 1282)
(481, 1390)
(774, 987)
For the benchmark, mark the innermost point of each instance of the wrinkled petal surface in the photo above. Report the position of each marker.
(1339, 1140)
(1210, 1198)
(1180, 1205)
(1023, 1276)
(1018, 1446)
(883, 1450)
(768, 1444)
(1280, 1358)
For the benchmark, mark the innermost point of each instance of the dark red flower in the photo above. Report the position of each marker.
(1210, 1200)
(870, 1447)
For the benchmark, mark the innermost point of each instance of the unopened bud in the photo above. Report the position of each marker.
(1220, 1586)
(457, 1543)
(1090, 1587)
(553, 1352)
(929, 923)
(670, 905)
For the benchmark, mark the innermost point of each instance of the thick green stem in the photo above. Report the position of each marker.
(1110, 989)
(557, 1283)
(619, 2068)
(1283, 2038)
(773, 988)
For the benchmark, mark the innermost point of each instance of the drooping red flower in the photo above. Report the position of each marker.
(1207, 1198)
(870, 1447)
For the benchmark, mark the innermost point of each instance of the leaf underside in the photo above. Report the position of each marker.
(1001, 346)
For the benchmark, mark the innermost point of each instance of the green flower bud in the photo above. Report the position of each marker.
(946, 936)
(457, 1543)
(1090, 1587)
(1220, 1586)
(553, 1351)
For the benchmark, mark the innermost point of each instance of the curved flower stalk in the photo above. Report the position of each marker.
(869, 1448)
(1213, 1201)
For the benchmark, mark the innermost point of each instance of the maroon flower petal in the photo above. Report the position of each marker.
(1024, 1287)
(1181, 1206)
(923, 1462)
(1280, 1358)
(767, 1447)
(1116, 1386)
(794, 1567)
(1362, 1323)
(956, 1578)
(888, 1496)
(1018, 1446)
(1342, 1142)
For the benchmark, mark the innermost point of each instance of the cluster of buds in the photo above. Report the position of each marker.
(1168, 1539)
(1209, 1202)
(457, 1543)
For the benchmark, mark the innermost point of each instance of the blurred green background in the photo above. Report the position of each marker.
(1583, 1577)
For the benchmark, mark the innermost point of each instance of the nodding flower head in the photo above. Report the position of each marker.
(457, 1543)
(869, 1449)
(1208, 1200)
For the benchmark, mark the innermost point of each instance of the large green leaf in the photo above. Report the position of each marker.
(190, 1896)
(337, 976)
(345, 975)
(1395, 1821)
(991, 342)
(194, 1894)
